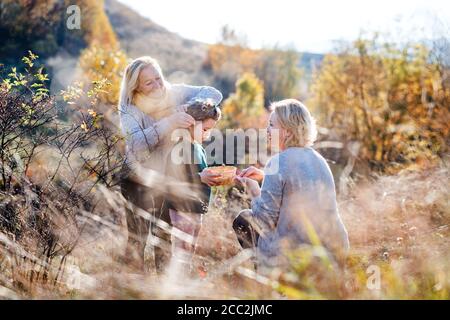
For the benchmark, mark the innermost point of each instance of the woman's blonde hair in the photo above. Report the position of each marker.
(131, 75)
(295, 117)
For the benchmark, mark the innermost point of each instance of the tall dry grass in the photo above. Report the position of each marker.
(63, 227)
(399, 224)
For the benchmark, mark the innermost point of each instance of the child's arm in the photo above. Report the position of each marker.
(209, 178)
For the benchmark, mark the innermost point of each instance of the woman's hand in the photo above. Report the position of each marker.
(252, 173)
(209, 178)
(250, 185)
(182, 107)
(178, 120)
(181, 120)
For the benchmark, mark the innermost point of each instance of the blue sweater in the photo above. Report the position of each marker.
(298, 191)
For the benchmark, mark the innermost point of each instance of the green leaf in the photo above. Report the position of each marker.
(27, 61)
(7, 83)
(32, 55)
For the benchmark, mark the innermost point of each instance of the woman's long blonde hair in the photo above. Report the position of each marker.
(131, 75)
(296, 118)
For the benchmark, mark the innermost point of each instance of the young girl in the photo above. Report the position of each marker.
(188, 201)
(150, 108)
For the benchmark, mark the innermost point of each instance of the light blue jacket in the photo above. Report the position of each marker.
(298, 191)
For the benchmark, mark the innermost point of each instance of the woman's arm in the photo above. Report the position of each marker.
(266, 207)
(187, 93)
(141, 132)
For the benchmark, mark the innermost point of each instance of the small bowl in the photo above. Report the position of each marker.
(227, 174)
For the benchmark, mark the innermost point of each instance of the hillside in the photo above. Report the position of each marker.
(59, 48)
(40, 26)
(180, 58)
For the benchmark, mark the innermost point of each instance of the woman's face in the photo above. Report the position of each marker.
(150, 82)
(276, 133)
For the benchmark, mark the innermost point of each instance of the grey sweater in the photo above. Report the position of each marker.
(298, 191)
(144, 135)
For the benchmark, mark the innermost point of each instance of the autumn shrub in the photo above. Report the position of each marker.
(391, 99)
(103, 62)
(277, 68)
(245, 107)
(48, 172)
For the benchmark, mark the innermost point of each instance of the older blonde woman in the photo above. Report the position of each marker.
(150, 109)
(297, 191)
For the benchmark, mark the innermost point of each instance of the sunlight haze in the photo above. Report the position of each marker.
(305, 25)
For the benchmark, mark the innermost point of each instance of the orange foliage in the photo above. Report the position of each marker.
(391, 99)
(245, 108)
(95, 22)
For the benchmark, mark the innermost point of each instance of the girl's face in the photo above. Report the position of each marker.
(276, 133)
(150, 82)
(201, 130)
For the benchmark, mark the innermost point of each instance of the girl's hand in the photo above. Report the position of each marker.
(252, 173)
(251, 185)
(182, 107)
(209, 178)
(181, 120)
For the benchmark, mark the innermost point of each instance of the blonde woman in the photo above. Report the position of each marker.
(297, 191)
(150, 109)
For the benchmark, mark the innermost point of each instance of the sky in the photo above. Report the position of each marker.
(313, 25)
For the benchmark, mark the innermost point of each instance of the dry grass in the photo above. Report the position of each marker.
(399, 223)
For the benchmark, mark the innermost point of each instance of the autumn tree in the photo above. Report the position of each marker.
(104, 64)
(391, 98)
(231, 57)
(280, 73)
(40, 26)
(245, 107)
(95, 22)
